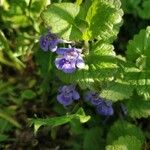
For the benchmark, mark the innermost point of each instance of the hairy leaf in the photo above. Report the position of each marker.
(138, 53)
(61, 19)
(123, 128)
(116, 90)
(138, 108)
(125, 143)
(104, 19)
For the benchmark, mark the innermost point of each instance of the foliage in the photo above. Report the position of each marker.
(127, 142)
(56, 121)
(105, 59)
(124, 128)
(138, 7)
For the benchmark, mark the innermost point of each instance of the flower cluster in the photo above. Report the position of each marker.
(67, 94)
(68, 58)
(103, 107)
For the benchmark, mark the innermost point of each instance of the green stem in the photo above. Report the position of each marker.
(86, 47)
(17, 63)
(9, 119)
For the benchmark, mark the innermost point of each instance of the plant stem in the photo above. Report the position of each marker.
(86, 47)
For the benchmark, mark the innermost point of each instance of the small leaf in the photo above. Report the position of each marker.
(143, 11)
(81, 115)
(123, 128)
(93, 139)
(28, 94)
(138, 108)
(125, 143)
(138, 48)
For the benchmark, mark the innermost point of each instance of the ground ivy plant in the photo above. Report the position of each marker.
(79, 37)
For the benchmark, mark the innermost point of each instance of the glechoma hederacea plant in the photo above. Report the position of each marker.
(87, 62)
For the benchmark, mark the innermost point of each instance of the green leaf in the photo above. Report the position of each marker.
(110, 70)
(8, 118)
(3, 137)
(5, 126)
(138, 49)
(16, 15)
(123, 128)
(56, 121)
(61, 19)
(130, 6)
(143, 11)
(138, 108)
(125, 143)
(93, 139)
(138, 53)
(116, 90)
(104, 18)
(78, 2)
(82, 116)
(143, 85)
(19, 21)
(28, 94)
(44, 60)
(36, 6)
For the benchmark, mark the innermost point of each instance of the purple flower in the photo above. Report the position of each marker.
(69, 59)
(67, 94)
(93, 98)
(49, 42)
(67, 66)
(105, 108)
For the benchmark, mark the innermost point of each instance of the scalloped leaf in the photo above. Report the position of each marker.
(117, 90)
(61, 19)
(138, 108)
(138, 51)
(125, 143)
(104, 18)
(123, 128)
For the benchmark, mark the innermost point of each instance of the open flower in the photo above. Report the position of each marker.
(69, 59)
(68, 66)
(49, 42)
(67, 94)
